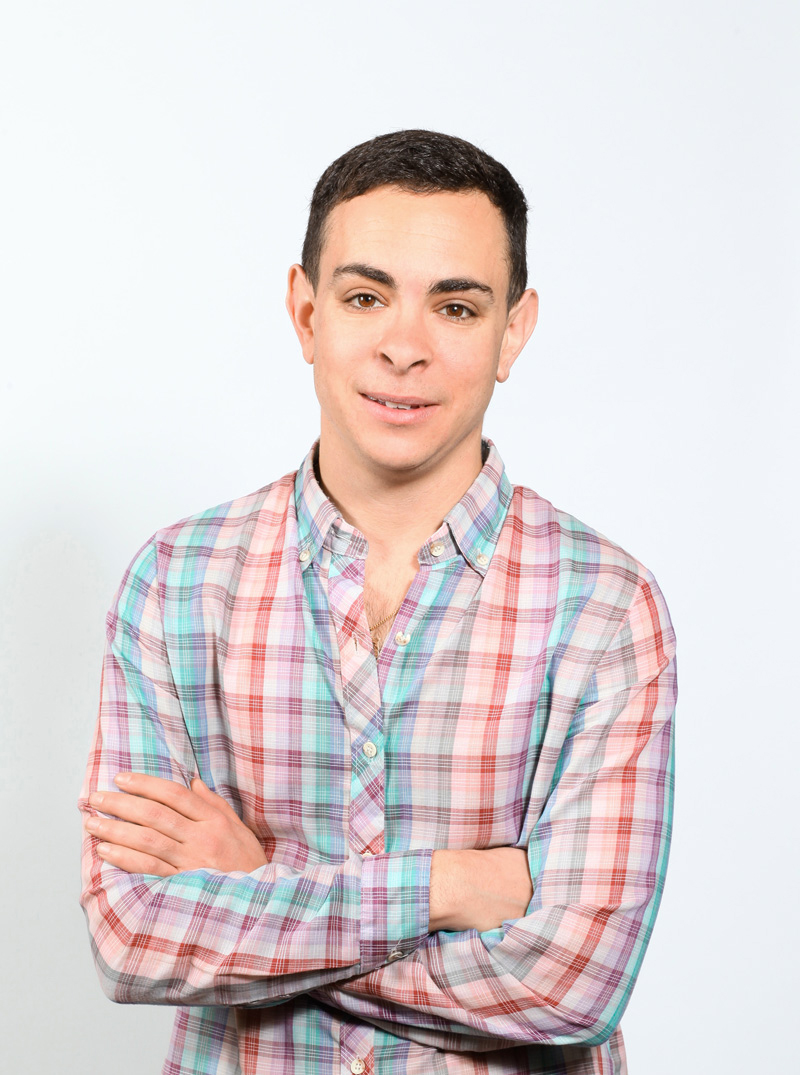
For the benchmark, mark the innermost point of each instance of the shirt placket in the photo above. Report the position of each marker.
(360, 693)
(357, 1049)
(359, 687)
(363, 712)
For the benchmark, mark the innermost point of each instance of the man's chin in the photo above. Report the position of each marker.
(401, 460)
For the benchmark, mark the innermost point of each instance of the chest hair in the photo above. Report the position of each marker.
(385, 586)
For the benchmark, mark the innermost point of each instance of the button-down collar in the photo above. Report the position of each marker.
(476, 520)
(471, 527)
(319, 520)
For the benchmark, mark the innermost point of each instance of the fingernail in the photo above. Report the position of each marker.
(93, 824)
(96, 799)
(122, 778)
(103, 849)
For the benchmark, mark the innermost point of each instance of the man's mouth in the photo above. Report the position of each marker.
(397, 405)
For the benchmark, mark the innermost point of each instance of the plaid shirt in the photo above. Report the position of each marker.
(524, 698)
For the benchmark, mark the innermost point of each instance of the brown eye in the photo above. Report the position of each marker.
(457, 311)
(366, 302)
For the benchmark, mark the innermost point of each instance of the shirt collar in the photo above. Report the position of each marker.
(471, 527)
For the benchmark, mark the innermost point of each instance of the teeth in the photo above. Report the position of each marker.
(394, 406)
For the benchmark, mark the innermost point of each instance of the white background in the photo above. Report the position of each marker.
(157, 162)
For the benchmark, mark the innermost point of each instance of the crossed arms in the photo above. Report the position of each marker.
(242, 930)
(162, 828)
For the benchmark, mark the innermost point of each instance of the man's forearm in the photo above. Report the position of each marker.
(206, 937)
(161, 827)
(478, 888)
(469, 889)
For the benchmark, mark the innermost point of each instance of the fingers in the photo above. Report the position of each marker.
(141, 811)
(159, 826)
(170, 793)
(148, 842)
(134, 861)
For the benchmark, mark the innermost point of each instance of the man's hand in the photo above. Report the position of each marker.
(165, 828)
(478, 889)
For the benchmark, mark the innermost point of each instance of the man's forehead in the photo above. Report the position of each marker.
(464, 225)
(387, 203)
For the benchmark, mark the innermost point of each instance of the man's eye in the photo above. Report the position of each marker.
(364, 302)
(457, 311)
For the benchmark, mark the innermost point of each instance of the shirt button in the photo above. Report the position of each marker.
(483, 559)
(401, 639)
(370, 749)
(304, 555)
(366, 852)
(357, 1066)
(393, 956)
(437, 549)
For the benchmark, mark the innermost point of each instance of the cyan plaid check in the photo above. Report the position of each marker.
(524, 697)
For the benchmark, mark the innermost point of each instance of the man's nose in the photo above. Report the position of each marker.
(405, 340)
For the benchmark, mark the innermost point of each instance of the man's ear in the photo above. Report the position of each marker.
(300, 302)
(521, 323)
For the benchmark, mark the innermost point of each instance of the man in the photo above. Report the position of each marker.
(435, 710)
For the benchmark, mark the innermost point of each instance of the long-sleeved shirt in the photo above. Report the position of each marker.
(524, 698)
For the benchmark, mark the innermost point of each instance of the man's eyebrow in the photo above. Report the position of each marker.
(460, 284)
(358, 268)
(441, 287)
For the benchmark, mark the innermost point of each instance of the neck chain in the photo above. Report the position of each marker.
(374, 627)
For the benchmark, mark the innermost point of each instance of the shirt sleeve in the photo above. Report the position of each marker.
(562, 974)
(203, 936)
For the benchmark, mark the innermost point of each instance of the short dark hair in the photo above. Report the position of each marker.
(422, 162)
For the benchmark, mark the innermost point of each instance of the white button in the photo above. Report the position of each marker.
(393, 956)
(370, 749)
(304, 555)
(366, 852)
(483, 559)
(401, 639)
(437, 549)
(358, 1066)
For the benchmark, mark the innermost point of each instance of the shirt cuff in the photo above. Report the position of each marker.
(395, 905)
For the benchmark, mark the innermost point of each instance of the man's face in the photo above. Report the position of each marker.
(409, 330)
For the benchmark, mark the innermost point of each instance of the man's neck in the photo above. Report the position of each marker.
(396, 512)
